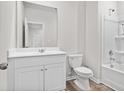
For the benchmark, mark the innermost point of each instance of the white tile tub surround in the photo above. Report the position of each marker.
(119, 42)
(119, 56)
(113, 77)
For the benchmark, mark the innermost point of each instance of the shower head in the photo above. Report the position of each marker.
(112, 10)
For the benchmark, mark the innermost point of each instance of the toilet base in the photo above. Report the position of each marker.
(83, 83)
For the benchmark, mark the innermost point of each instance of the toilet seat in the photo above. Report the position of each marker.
(83, 71)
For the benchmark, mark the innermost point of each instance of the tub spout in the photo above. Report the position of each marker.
(111, 58)
(111, 65)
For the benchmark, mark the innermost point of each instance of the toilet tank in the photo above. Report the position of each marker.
(75, 60)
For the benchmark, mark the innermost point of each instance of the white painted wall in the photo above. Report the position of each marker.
(120, 5)
(92, 43)
(120, 9)
(67, 35)
(19, 24)
(7, 35)
(81, 27)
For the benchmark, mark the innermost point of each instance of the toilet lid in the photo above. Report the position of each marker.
(83, 70)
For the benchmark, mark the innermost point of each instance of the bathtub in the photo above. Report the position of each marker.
(113, 76)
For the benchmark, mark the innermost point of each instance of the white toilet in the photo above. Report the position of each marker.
(82, 73)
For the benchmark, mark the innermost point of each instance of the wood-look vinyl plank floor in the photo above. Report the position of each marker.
(70, 86)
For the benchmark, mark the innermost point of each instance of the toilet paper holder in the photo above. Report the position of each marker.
(3, 66)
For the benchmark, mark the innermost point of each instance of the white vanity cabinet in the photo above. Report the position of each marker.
(29, 78)
(55, 77)
(39, 73)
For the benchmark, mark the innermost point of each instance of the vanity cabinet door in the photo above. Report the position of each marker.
(55, 77)
(29, 78)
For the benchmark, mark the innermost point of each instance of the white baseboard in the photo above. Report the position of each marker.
(98, 81)
(109, 86)
(93, 79)
(70, 78)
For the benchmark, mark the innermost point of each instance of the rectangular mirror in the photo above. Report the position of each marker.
(36, 25)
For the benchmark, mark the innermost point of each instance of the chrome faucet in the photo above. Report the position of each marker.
(111, 53)
(41, 50)
(112, 59)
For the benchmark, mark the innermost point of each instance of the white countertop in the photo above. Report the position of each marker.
(14, 53)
